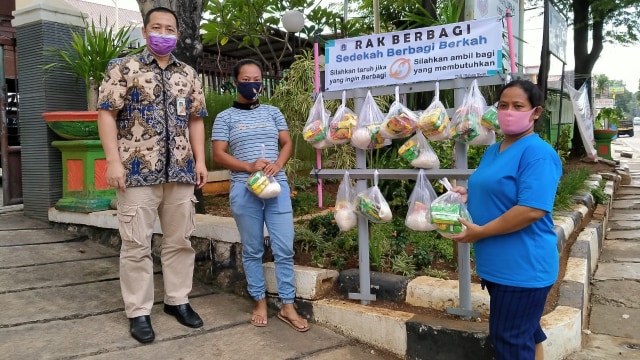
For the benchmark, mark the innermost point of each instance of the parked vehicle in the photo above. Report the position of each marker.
(636, 121)
(625, 127)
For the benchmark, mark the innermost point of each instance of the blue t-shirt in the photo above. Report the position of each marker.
(246, 131)
(526, 174)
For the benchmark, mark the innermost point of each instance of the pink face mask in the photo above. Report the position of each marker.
(515, 122)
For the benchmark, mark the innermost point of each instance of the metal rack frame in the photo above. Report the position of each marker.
(361, 174)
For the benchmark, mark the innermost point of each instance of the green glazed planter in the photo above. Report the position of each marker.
(604, 134)
(73, 125)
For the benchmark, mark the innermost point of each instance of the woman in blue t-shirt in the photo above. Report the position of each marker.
(249, 137)
(510, 198)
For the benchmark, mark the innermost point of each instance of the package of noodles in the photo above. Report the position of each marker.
(419, 214)
(342, 123)
(400, 121)
(434, 121)
(366, 134)
(316, 128)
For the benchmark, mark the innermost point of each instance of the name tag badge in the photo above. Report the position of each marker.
(181, 105)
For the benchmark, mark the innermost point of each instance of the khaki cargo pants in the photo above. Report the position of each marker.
(138, 207)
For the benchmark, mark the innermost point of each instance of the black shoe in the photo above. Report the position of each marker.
(141, 329)
(184, 314)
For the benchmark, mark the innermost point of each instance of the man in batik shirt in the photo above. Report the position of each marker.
(151, 110)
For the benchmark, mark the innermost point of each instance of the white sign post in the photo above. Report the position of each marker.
(465, 49)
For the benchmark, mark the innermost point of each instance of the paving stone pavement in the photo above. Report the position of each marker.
(613, 331)
(60, 299)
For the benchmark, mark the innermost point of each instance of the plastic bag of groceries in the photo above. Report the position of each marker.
(316, 128)
(447, 210)
(372, 205)
(419, 153)
(344, 212)
(342, 124)
(434, 121)
(366, 134)
(263, 186)
(490, 118)
(400, 121)
(467, 122)
(419, 214)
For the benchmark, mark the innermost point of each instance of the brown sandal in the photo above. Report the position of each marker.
(290, 323)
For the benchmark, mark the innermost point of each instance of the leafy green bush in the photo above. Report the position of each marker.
(570, 184)
(599, 196)
(215, 103)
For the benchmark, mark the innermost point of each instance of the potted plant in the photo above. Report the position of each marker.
(606, 119)
(87, 56)
(85, 188)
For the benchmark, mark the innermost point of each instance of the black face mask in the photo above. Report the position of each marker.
(249, 90)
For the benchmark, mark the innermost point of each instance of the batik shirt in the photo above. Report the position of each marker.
(154, 106)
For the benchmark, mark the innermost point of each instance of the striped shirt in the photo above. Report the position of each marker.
(246, 131)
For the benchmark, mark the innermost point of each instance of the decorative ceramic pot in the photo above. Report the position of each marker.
(73, 125)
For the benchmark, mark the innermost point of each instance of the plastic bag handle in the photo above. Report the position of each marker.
(375, 178)
(420, 178)
(397, 93)
(264, 152)
(445, 182)
(436, 94)
(344, 97)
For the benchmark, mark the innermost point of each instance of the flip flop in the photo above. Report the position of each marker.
(255, 323)
(290, 323)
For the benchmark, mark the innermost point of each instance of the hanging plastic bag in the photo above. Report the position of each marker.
(264, 187)
(467, 124)
(344, 212)
(400, 121)
(372, 205)
(434, 121)
(342, 124)
(315, 129)
(419, 153)
(490, 118)
(366, 134)
(447, 210)
(419, 214)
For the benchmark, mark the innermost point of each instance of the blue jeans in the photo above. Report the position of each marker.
(251, 214)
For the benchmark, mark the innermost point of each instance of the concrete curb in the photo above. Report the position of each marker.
(408, 335)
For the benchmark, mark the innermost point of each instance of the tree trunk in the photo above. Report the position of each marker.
(430, 6)
(583, 68)
(545, 58)
(189, 46)
(94, 89)
(189, 13)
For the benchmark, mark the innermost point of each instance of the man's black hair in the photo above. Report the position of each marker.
(147, 16)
